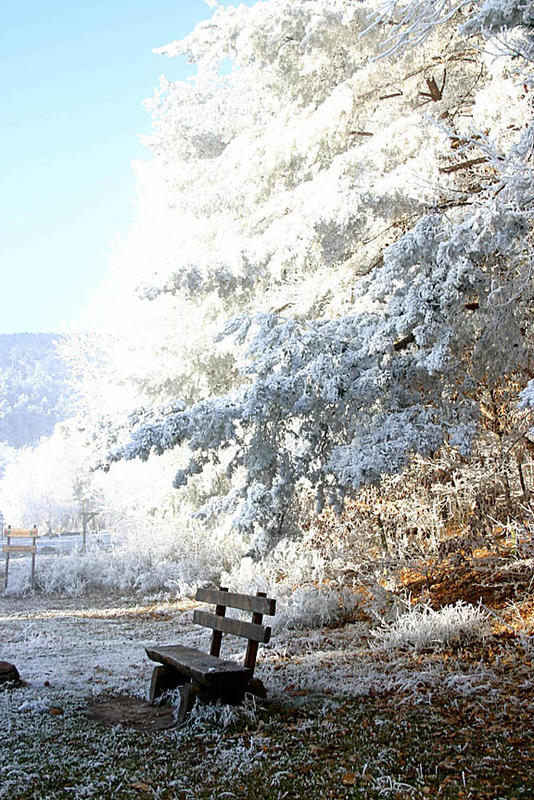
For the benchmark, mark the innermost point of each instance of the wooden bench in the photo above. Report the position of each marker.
(206, 675)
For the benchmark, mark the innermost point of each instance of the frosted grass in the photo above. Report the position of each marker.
(423, 627)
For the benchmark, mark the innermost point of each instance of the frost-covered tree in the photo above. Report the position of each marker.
(34, 392)
(333, 250)
(37, 486)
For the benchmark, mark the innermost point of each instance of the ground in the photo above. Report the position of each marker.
(345, 718)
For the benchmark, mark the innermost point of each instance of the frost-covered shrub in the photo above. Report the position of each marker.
(174, 567)
(310, 606)
(294, 573)
(423, 627)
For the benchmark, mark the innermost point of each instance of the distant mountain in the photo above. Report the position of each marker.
(34, 393)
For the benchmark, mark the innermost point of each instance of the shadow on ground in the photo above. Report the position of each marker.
(131, 712)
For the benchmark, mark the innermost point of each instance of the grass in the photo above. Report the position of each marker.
(343, 721)
(427, 743)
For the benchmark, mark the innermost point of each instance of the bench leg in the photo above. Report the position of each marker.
(188, 693)
(165, 679)
(256, 687)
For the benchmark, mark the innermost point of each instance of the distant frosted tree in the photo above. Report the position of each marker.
(34, 393)
(333, 250)
(37, 486)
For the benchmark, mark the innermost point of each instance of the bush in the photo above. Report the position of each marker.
(425, 628)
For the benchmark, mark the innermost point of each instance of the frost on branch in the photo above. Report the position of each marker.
(333, 402)
(527, 396)
(414, 21)
(496, 18)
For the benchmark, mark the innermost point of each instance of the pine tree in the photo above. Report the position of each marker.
(333, 251)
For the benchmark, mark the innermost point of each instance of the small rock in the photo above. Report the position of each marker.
(8, 673)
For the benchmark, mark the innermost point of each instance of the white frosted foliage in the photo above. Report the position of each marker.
(332, 250)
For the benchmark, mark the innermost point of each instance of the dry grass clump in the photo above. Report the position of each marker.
(422, 627)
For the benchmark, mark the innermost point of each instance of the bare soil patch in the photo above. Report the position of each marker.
(130, 711)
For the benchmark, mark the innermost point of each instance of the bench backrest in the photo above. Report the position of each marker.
(254, 631)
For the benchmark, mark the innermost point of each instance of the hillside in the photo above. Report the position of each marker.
(33, 391)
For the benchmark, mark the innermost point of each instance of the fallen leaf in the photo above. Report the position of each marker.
(348, 779)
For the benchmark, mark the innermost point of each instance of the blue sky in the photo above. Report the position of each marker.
(75, 73)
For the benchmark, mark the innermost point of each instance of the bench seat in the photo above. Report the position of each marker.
(214, 673)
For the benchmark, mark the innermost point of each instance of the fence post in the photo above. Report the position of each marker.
(7, 558)
(34, 536)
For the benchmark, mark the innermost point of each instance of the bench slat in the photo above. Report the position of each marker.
(245, 602)
(247, 630)
(201, 667)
